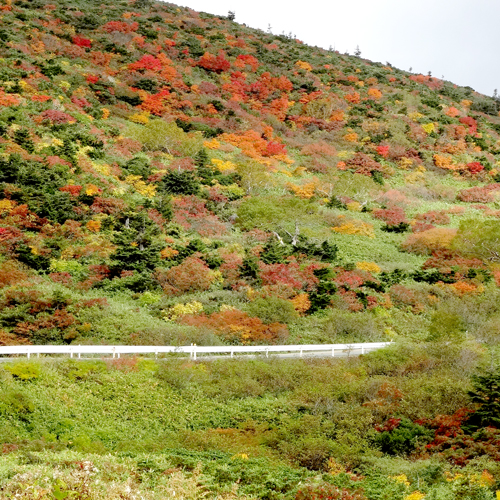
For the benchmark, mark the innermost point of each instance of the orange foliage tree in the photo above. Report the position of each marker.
(193, 275)
(238, 327)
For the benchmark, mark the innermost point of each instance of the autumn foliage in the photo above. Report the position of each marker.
(237, 327)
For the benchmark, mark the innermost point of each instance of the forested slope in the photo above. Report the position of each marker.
(169, 177)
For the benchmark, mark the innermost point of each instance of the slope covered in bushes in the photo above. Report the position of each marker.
(171, 177)
(214, 183)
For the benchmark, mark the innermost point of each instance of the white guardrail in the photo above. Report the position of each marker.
(193, 350)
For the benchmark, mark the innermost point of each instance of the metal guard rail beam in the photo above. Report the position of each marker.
(193, 350)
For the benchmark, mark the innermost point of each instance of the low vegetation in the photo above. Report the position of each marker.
(169, 177)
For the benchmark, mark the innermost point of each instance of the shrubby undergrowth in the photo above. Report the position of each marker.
(169, 177)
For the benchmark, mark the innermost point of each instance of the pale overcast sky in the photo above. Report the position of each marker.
(457, 39)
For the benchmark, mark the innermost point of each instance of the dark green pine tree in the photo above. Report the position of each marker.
(321, 297)
(136, 249)
(486, 394)
(249, 270)
(275, 252)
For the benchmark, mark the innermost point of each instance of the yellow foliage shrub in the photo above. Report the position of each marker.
(223, 166)
(103, 169)
(212, 144)
(351, 137)
(401, 479)
(415, 116)
(345, 155)
(93, 225)
(141, 118)
(354, 206)
(444, 162)
(147, 190)
(371, 267)
(405, 163)
(429, 128)
(303, 65)
(233, 191)
(334, 467)
(416, 495)
(91, 190)
(305, 191)
(6, 206)
(181, 310)
(414, 177)
(301, 303)
(356, 227)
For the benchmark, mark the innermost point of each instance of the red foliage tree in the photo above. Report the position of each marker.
(470, 122)
(246, 59)
(120, 26)
(363, 164)
(391, 216)
(474, 167)
(193, 275)
(433, 217)
(290, 275)
(479, 194)
(56, 117)
(82, 42)
(146, 62)
(11, 274)
(217, 64)
(72, 189)
(109, 206)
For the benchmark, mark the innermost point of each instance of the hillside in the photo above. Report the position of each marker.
(169, 177)
(173, 177)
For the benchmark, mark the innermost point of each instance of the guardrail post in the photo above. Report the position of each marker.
(194, 352)
(27, 354)
(232, 352)
(363, 350)
(267, 353)
(114, 349)
(301, 353)
(70, 352)
(156, 354)
(333, 352)
(79, 353)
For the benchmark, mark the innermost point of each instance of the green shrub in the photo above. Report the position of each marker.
(446, 326)
(139, 165)
(18, 404)
(272, 310)
(159, 135)
(268, 212)
(24, 370)
(82, 370)
(402, 439)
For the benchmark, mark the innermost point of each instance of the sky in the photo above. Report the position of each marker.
(455, 39)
